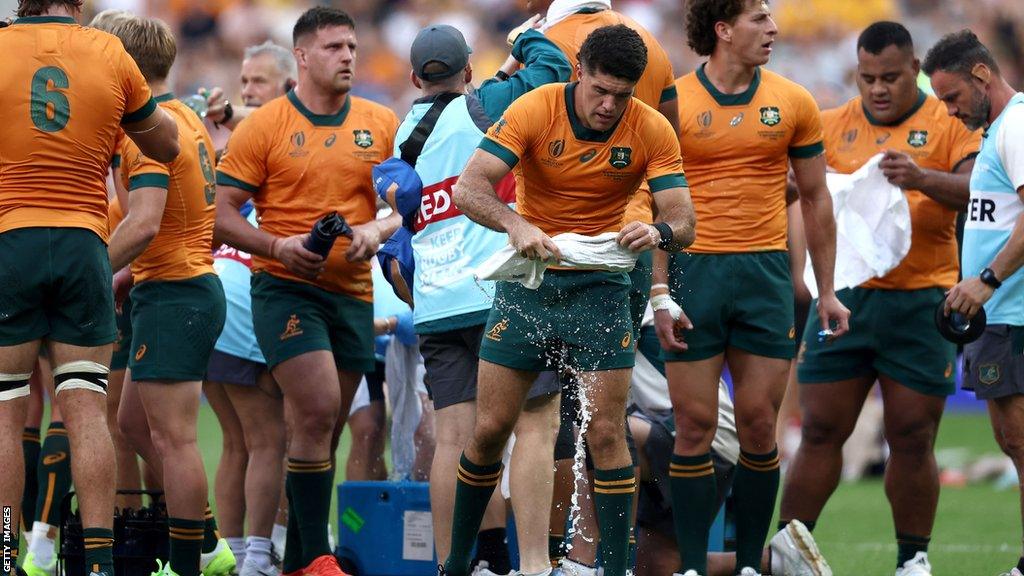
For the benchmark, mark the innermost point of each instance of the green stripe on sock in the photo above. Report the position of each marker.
(694, 505)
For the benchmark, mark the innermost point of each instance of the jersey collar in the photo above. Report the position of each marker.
(45, 20)
(580, 131)
(921, 97)
(741, 99)
(321, 119)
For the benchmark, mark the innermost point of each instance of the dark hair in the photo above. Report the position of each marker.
(319, 18)
(702, 17)
(37, 7)
(881, 35)
(614, 50)
(958, 52)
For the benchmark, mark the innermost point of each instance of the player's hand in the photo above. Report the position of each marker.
(901, 170)
(639, 237)
(835, 317)
(531, 242)
(215, 104)
(670, 332)
(534, 23)
(122, 284)
(291, 252)
(366, 241)
(968, 297)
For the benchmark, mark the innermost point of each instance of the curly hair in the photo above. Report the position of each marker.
(702, 17)
(37, 7)
(614, 50)
(958, 53)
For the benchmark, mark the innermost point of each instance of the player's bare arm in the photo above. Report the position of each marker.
(234, 230)
(971, 294)
(156, 136)
(139, 227)
(675, 209)
(474, 194)
(670, 110)
(951, 189)
(820, 227)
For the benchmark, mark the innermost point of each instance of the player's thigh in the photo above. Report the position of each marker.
(227, 416)
(172, 410)
(606, 393)
(693, 389)
(704, 285)
(829, 410)
(910, 350)
(175, 325)
(1007, 414)
(761, 320)
(123, 342)
(911, 417)
(501, 392)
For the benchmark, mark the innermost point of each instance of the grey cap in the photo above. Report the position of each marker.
(439, 43)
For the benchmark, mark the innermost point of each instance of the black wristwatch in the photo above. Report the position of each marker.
(989, 277)
(229, 113)
(501, 75)
(666, 234)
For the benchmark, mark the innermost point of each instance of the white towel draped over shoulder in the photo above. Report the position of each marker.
(872, 226)
(562, 9)
(600, 252)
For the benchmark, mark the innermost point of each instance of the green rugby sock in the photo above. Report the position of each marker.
(210, 533)
(292, 561)
(99, 551)
(30, 448)
(54, 474)
(613, 500)
(311, 484)
(754, 491)
(186, 545)
(474, 486)
(908, 545)
(694, 500)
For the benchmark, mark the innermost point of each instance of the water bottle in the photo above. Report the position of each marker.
(198, 104)
(324, 232)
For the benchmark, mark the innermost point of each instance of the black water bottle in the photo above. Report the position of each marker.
(325, 232)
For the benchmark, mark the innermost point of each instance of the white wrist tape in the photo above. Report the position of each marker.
(665, 302)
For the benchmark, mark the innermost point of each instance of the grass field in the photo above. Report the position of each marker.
(977, 532)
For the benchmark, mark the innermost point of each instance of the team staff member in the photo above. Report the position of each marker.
(967, 79)
(930, 155)
(268, 71)
(299, 157)
(609, 143)
(742, 127)
(60, 128)
(178, 302)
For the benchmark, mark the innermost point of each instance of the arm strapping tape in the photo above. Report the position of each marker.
(665, 302)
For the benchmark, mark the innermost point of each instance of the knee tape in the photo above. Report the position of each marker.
(82, 375)
(13, 386)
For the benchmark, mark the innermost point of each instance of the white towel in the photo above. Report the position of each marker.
(600, 252)
(562, 9)
(872, 226)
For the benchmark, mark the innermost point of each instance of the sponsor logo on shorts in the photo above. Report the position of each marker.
(918, 138)
(627, 339)
(949, 370)
(800, 356)
(495, 332)
(792, 332)
(988, 374)
(51, 459)
(119, 341)
(291, 328)
(363, 138)
(140, 352)
(770, 115)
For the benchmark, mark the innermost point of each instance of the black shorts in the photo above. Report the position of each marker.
(375, 383)
(654, 507)
(451, 360)
(994, 363)
(227, 369)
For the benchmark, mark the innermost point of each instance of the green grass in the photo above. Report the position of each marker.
(977, 531)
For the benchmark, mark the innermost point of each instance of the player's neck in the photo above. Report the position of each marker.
(728, 74)
(60, 10)
(318, 102)
(1000, 96)
(158, 87)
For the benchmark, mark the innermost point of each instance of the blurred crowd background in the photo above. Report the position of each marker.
(815, 48)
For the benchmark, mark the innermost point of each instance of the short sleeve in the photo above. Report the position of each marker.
(665, 164)
(668, 91)
(511, 136)
(963, 144)
(141, 171)
(244, 163)
(808, 134)
(1010, 145)
(139, 102)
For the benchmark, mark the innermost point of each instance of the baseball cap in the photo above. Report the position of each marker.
(439, 43)
(398, 184)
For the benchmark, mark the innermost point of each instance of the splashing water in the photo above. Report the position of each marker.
(579, 461)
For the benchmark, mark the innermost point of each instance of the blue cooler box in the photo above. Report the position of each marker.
(385, 529)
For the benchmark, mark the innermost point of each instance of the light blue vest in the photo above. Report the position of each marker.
(993, 210)
(447, 245)
(238, 338)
